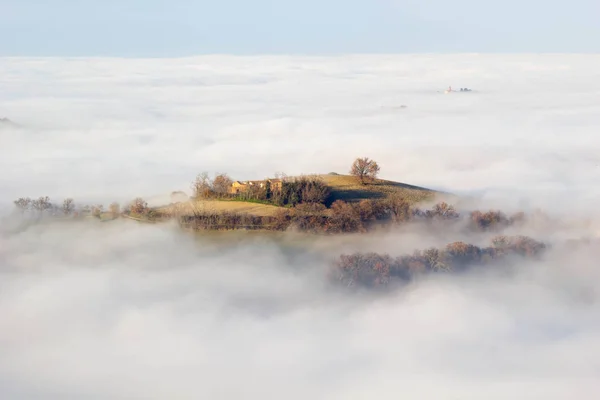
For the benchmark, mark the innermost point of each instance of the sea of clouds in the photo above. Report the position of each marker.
(127, 311)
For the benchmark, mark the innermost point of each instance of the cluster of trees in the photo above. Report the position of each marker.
(304, 189)
(356, 217)
(203, 187)
(373, 270)
(42, 206)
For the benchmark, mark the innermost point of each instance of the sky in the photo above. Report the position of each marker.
(123, 310)
(159, 28)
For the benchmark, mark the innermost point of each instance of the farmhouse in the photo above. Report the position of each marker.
(244, 186)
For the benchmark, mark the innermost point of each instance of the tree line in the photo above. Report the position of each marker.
(42, 206)
(357, 217)
(292, 191)
(377, 270)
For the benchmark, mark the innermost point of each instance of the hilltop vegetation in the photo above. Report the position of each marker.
(329, 203)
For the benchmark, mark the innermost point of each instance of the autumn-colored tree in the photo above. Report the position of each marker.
(139, 206)
(68, 206)
(221, 184)
(364, 169)
(344, 218)
(398, 207)
(444, 210)
(314, 190)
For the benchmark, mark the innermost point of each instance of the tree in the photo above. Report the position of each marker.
(398, 207)
(222, 184)
(97, 210)
(139, 206)
(115, 209)
(314, 190)
(41, 204)
(364, 169)
(202, 186)
(23, 204)
(68, 206)
(344, 218)
(445, 211)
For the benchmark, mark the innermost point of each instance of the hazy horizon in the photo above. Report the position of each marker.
(186, 27)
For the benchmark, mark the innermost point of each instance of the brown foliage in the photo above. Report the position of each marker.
(221, 184)
(372, 269)
(202, 186)
(344, 218)
(139, 206)
(398, 208)
(364, 169)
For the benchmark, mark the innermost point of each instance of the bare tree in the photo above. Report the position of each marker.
(314, 190)
(23, 204)
(41, 204)
(445, 211)
(202, 186)
(222, 184)
(68, 206)
(364, 169)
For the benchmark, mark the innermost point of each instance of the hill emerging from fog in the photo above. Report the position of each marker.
(342, 187)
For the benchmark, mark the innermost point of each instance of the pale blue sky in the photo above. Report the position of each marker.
(188, 27)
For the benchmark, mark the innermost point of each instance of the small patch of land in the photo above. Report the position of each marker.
(343, 187)
(201, 206)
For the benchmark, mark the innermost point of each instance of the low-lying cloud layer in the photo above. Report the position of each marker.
(121, 310)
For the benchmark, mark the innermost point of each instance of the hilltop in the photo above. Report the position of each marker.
(342, 187)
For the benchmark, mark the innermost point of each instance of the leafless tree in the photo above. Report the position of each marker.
(222, 184)
(445, 211)
(41, 204)
(314, 189)
(23, 204)
(202, 186)
(398, 207)
(68, 206)
(364, 169)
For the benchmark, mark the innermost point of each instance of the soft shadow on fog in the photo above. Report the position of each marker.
(126, 311)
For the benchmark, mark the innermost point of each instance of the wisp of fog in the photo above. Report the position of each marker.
(125, 310)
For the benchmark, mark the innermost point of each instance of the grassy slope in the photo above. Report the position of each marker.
(347, 188)
(343, 187)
